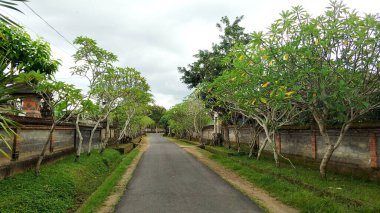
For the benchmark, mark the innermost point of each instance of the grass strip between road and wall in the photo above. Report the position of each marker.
(61, 187)
(300, 188)
(105, 189)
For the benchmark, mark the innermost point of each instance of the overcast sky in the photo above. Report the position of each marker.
(153, 36)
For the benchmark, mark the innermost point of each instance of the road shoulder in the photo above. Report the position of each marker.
(112, 200)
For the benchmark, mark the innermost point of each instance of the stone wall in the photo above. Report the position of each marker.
(359, 148)
(32, 139)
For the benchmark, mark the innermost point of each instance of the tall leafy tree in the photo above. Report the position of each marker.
(93, 62)
(20, 53)
(156, 112)
(135, 97)
(210, 63)
(335, 58)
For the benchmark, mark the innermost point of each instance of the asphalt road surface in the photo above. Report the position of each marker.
(168, 179)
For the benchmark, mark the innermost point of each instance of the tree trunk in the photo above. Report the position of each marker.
(326, 158)
(326, 140)
(79, 149)
(124, 130)
(253, 146)
(331, 148)
(105, 142)
(92, 136)
(261, 149)
(42, 155)
(275, 156)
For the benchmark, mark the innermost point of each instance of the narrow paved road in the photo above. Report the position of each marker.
(168, 179)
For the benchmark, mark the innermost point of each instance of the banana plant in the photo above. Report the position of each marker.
(10, 4)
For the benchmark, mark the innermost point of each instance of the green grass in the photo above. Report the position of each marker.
(99, 196)
(61, 187)
(302, 187)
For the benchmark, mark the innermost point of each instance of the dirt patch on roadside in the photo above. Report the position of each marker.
(253, 192)
(109, 205)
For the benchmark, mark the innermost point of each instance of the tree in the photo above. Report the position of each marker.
(335, 58)
(18, 54)
(210, 64)
(23, 54)
(60, 97)
(92, 63)
(156, 112)
(247, 95)
(86, 110)
(135, 97)
(258, 89)
(187, 117)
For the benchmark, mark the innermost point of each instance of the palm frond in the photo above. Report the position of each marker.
(10, 4)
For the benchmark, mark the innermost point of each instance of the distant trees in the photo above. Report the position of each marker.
(156, 113)
(188, 117)
(122, 91)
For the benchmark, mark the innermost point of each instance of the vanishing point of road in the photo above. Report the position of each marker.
(168, 179)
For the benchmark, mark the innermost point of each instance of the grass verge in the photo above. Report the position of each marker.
(301, 188)
(61, 187)
(100, 195)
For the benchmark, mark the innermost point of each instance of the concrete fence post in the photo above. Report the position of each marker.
(373, 150)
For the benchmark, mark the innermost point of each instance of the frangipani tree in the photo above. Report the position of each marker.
(187, 117)
(135, 97)
(257, 88)
(61, 98)
(86, 110)
(92, 63)
(335, 58)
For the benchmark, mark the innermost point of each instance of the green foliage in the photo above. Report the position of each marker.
(156, 112)
(23, 54)
(133, 100)
(105, 189)
(187, 117)
(334, 57)
(5, 123)
(91, 61)
(61, 187)
(210, 64)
